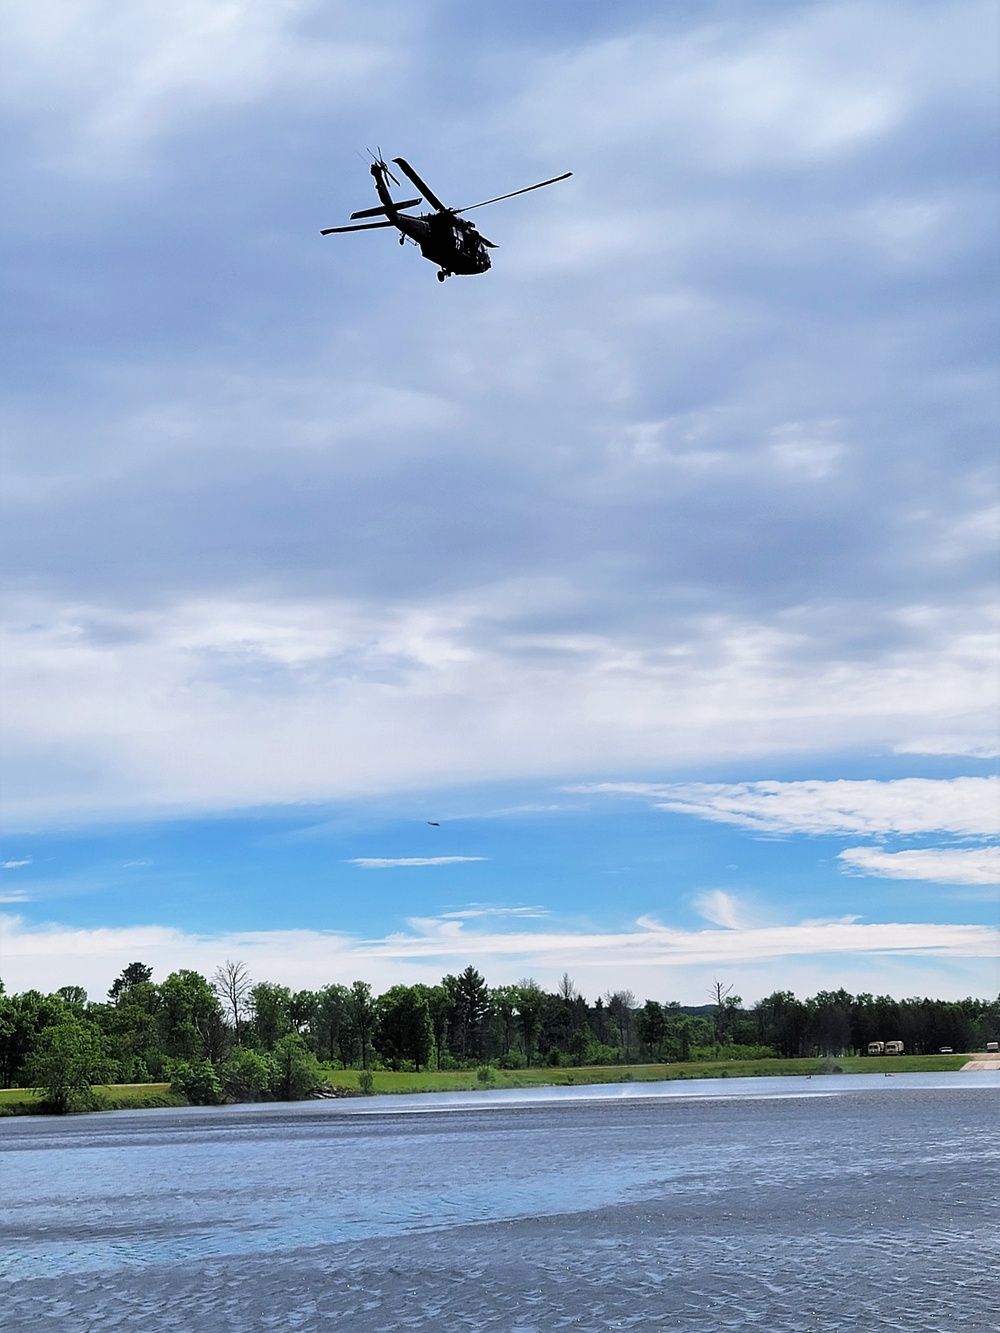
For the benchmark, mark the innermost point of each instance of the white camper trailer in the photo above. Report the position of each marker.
(876, 1048)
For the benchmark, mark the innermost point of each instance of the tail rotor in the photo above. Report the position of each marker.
(382, 165)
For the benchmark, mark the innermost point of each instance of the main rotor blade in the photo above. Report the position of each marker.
(428, 194)
(527, 189)
(365, 226)
(376, 212)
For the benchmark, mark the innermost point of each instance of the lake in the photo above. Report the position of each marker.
(837, 1203)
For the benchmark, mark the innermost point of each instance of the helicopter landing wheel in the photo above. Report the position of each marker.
(441, 275)
(402, 240)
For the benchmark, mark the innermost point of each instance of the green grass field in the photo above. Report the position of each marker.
(125, 1096)
(113, 1096)
(466, 1080)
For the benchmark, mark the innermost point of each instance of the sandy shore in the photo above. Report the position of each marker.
(981, 1061)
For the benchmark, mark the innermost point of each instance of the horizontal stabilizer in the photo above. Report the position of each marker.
(377, 212)
(364, 226)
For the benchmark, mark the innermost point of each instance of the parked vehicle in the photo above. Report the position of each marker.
(945, 1050)
(993, 1048)
(894, 1048)
(876, 1048)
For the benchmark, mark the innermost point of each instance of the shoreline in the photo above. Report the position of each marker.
(343, 1084)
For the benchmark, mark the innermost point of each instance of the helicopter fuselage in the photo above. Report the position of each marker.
(450, 242)
(444, 238)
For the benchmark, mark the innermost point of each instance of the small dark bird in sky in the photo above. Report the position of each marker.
(433, 823)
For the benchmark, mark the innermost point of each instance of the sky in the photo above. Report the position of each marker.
(656, 567)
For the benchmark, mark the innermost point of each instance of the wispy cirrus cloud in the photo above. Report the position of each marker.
(476, 911)
(391, 862)
(721, 908)
(961, 807)
(15, 865)
(940, 865)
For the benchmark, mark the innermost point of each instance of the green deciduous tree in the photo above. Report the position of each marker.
(303, 1007)
(652, 1028)
(403, 1031)
(270, 1008)
(439, 1006)
(363, 1015)
(503, 1001)
(22, 1018)
(197, 1080)
(333, 1028)
(530, 1002)
(297, 1072)
(189, 1018)
(68, 1058)
(132, 1030)
(74, 998)
(247, 1076)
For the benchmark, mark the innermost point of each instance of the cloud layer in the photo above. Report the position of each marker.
(940, 865)
(697, 482)
(964, 807)
(216, 703)
(652, 957)
(702, 468)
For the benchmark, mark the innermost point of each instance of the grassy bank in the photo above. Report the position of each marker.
(108, 1097)
(467, 1081)
(134, 1096)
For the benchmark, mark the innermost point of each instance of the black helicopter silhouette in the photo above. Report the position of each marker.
(444, 236)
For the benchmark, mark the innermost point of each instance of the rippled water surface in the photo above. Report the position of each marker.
(772, 1204)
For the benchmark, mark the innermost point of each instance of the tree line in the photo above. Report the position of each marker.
(230, 1038)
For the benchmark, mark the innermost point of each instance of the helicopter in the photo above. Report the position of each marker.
(444, 236)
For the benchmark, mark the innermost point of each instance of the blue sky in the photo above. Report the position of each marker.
(658, 564)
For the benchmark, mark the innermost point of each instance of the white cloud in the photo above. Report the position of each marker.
(218, 703)
(940, 865)
(450, 925)
(963, 807)
(388, 862)
(811, 85)
(106, 78)
(472, 913)
(721, 908)
(15, 865)
(652, 958)
(951, 744)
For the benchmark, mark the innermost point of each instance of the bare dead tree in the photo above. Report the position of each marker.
(720, 992)
(232, 984)
(566, 989)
